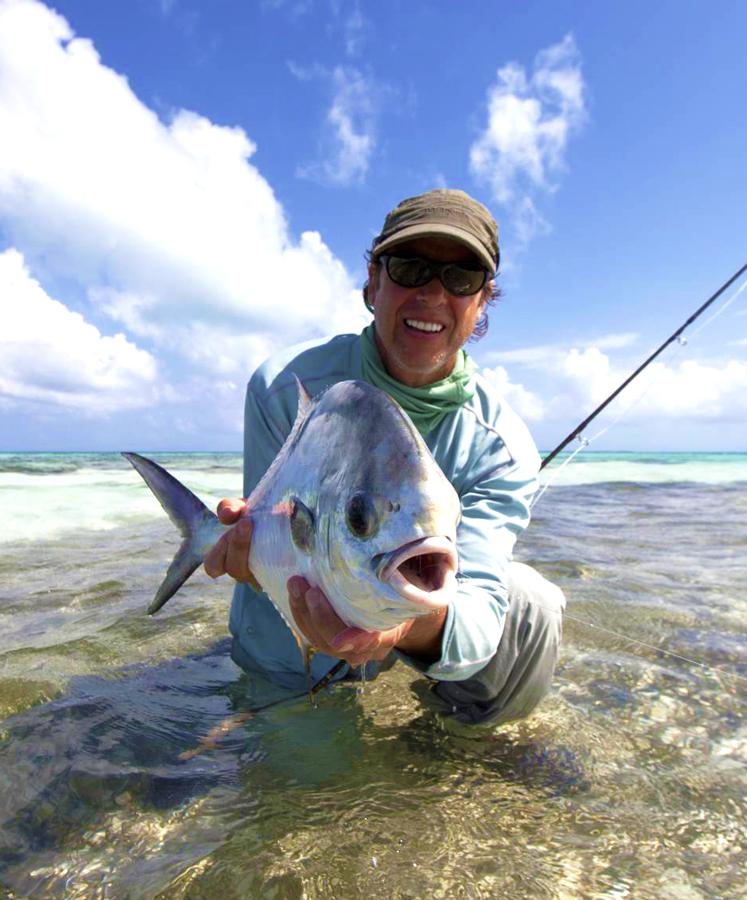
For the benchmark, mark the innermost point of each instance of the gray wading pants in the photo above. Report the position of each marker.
(520, 673)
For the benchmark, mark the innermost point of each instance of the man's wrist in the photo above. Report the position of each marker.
(423, 639)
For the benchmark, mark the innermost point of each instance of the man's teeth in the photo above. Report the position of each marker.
(424, 326)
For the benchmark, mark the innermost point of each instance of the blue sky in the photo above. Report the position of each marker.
(185, 187)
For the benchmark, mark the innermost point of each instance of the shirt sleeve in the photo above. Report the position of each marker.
(495, 510)
(264, 425)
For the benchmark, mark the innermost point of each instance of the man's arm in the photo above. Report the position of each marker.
(495, 510)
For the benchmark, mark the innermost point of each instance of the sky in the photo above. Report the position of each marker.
(187, 187)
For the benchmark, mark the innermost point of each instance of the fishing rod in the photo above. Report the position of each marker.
(577, 431)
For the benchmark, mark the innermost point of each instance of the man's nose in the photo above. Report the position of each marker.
(433, 293)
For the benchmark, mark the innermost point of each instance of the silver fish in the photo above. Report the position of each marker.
(354, 501)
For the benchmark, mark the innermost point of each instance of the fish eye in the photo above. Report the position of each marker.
(360, 515)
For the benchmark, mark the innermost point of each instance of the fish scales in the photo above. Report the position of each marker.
(354, 501)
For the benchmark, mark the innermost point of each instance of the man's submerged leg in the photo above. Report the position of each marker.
(521, 672)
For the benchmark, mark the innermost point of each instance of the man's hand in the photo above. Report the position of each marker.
(230, 556)
(325, 630)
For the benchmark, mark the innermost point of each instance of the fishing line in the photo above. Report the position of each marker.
(701, 309)
(721, 309)
(653, 647)
(584, 442)
(681, 343)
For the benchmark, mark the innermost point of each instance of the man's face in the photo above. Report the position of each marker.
(417, 357)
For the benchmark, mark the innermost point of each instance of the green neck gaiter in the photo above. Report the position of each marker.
(427, 405)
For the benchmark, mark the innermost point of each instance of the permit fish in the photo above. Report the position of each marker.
(354, 501)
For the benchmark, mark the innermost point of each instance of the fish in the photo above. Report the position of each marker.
(354, 501)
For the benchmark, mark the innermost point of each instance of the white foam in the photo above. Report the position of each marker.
(716, 469)
(47, 507)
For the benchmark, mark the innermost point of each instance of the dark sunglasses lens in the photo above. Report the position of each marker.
(462, 281)
(415, 271)
(409, 272)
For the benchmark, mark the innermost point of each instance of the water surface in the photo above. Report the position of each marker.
(630, 781)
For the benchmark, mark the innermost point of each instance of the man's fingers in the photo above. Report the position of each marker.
(237, 557)
(313, 614)
(325, 619)
(316, 618)
(231, 555)
(298, 591)
(215, 561)
(355, 640)
(238, 548)
(230, 508)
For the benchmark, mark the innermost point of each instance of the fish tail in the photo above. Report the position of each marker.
(199, 527)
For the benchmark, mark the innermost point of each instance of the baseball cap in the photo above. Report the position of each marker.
(443, 213)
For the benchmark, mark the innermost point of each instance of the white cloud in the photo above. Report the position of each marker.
(580, 380)
(528, 405)
(546, 354)
(549, 384)
(51, 355)
(700, 391)
(349, 134)
(355, 29)
(528, 222)
(167, 226)
(530, 120)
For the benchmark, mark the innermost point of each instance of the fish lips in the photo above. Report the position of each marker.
(422, 572)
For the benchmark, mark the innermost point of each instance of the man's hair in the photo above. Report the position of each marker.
(490, 296)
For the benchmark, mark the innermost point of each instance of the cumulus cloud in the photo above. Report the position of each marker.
(575, 381)
(529, 121)
(548, 355)
(528, 405)
(349, 133)
(166, 226)
(51, 355)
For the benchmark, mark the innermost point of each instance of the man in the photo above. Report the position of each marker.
(492, 653)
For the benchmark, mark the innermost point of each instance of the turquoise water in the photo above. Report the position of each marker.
(629, 782)
(593, 467)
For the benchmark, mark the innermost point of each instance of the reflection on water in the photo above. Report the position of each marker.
(632, 779)
(630, 782)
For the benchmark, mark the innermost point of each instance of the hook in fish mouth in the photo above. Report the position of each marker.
(422, 572)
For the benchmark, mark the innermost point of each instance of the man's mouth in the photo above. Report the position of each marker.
(419, 325)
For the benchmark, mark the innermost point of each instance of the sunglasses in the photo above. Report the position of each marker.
(460, 278)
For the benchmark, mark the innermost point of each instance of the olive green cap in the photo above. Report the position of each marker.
(443, 213)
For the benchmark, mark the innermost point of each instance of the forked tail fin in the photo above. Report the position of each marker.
(199, 527)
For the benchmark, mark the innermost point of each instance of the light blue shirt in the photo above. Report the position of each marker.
(485, 451)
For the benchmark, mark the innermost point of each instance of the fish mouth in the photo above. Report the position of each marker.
(421, 572)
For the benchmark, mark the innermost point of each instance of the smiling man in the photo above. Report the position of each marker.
(491, 654)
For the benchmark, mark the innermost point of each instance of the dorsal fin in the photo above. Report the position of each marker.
(304, 397)
(305, 406)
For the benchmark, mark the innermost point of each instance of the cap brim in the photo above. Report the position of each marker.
(447, 231)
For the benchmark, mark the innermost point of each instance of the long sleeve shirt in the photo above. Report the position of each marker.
(483, 448)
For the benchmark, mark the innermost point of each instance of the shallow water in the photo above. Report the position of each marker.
(630, 781)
